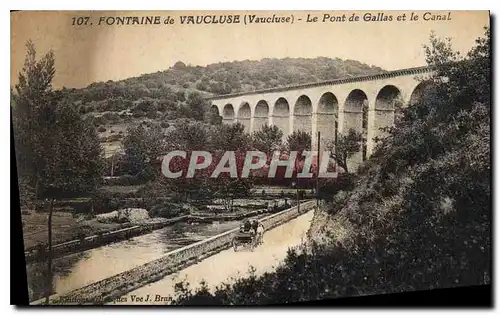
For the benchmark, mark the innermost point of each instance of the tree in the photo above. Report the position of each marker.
(57, 152)
(230, 137)
(299, 141)
(226, 187)
(179, 65)
(181, 95)
(55, 148)
(220, 88)
(217, 140)
(189, 136)
(192, 136)
(267, 139)
(202, 185)
(143, 146)
(197, 105)
(230, 189)
(347, 146)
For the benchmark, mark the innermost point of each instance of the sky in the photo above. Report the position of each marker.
(87, 54)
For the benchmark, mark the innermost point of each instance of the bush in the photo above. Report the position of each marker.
(81, 235)
(328, 189)
(167, 210)
(111, 117)
(164, 124)
(201, 86)
(101, 202)
(99, 121)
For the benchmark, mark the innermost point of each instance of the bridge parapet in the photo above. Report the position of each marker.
(116, 286)
(372, 77)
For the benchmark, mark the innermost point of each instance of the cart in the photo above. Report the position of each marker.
(244, 239)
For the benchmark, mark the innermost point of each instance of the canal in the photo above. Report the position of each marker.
(76, 270)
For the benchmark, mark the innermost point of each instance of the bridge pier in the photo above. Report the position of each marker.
(370, 143)
(252, 122)
(247, 123)
(258, 122)
(326, 124)
(353, 119)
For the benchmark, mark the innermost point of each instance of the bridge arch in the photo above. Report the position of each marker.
(215, 110)
(244, 115)
(302, 114)
(261, 115)
(215, 117)
(228, 114)
(356, 118)
(419, 91)
(388, 105)
(353, 110)
(327, 118)
(388, 98)
(281, 115)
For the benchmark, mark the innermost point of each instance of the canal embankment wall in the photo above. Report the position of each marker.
(98, 240)
(113, 287)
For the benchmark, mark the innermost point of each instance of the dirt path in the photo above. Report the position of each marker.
(227, 264)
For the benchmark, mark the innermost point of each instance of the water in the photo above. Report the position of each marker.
(76, 270)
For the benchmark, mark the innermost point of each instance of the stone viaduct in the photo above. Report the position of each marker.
(363, 103)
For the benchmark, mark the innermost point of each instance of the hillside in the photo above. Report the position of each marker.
(214, 79)
(164, 96)
(419, 215)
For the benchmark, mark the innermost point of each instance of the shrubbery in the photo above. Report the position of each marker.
(164, 124)
(167, 210)
(329, 188)
(419, 216)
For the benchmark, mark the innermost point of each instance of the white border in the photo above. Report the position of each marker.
(196, 5)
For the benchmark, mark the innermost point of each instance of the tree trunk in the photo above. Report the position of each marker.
(37, 185)
(298, 200)
(112, 165)
(49, 255)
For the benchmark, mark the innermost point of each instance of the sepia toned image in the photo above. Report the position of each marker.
(250, 157)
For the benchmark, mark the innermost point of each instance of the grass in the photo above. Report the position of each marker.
(65, 227)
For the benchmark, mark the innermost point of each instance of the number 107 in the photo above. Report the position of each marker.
(82, 20)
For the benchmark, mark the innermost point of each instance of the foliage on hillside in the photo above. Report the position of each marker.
(419, 215)
(166, 93)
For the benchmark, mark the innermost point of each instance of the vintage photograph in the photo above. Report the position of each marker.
(250, 157)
